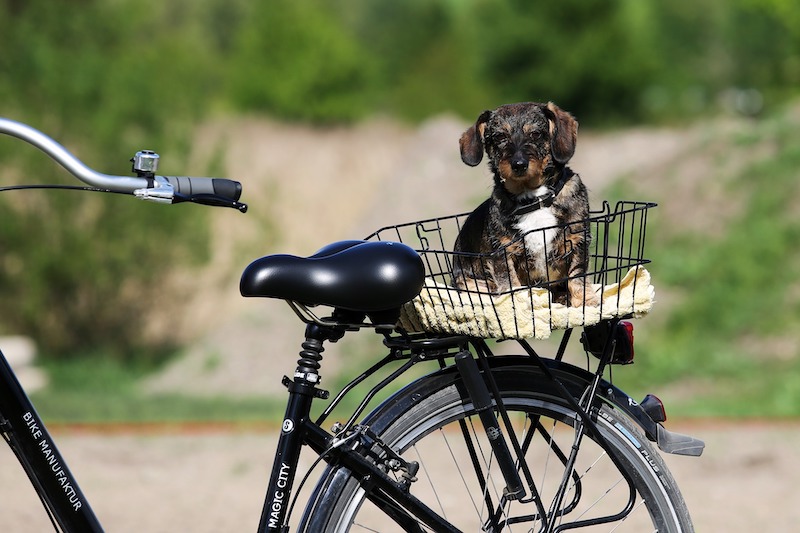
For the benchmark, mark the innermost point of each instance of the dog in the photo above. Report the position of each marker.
(532, 228)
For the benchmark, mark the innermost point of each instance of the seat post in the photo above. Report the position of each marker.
(311, 355)
(302, 390)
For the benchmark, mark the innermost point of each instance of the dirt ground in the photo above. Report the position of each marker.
(213, 481)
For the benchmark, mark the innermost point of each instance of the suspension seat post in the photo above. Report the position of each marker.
(308, 365)
(302, 391)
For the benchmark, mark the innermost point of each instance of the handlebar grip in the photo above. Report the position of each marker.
(190, 186)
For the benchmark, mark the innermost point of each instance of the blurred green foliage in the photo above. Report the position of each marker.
(607, 61)
(292, 61)
(733, 297)
(335, 60)
(111, 77)
(85, 272)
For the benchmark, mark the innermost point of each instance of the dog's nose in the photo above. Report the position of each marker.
(519, 165)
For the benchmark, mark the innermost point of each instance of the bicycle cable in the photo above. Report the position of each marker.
(57, 187)
(202, 199)
(335, 444)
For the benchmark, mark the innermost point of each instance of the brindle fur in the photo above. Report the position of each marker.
(528, 146)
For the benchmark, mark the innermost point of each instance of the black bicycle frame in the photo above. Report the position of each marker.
(30, 441)
(348, 447)
(345, 449)
(24, 431)
(298, 430)
(69, 510)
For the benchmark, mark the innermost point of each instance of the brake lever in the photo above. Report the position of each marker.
(211, 200)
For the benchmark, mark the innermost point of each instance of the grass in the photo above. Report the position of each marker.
(732, 331)
(98, 390)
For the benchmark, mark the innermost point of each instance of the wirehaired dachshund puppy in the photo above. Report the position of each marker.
(531, 230)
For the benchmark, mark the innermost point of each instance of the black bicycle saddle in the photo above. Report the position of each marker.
(363, 276)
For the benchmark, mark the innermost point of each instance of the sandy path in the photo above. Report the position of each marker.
(213, 481)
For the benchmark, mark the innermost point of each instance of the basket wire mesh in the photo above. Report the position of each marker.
(450, 303)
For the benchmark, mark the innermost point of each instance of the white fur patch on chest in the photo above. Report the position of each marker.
(538, 240)
(529, 223)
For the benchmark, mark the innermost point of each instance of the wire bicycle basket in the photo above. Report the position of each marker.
(615, 274)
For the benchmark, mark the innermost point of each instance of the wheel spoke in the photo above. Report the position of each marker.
(431, 485)
(608, 487)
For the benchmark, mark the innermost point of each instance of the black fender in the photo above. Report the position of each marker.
(574, 379)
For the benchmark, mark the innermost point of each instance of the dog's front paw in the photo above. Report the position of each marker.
(470, 284)
(581, 294)
(591, 298)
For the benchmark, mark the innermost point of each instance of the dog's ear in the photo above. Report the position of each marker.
(471, 141)
(563, 132)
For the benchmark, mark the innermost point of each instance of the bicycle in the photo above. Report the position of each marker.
(482, 442)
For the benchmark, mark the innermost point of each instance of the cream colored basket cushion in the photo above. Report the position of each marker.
(526, 312)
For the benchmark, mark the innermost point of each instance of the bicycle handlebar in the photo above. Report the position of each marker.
(145, 185)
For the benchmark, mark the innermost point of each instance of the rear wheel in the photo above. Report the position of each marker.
(618, 482)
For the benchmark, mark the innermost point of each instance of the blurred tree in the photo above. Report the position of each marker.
(590, 56)
(724, 52)
(417, 49)
(82, 272)
(292, 59)
(764, 38)
(784, 12)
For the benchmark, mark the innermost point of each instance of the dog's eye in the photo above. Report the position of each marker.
(536, 135)
(501, 141)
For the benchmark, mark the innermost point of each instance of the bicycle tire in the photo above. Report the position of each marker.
(429, 407)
